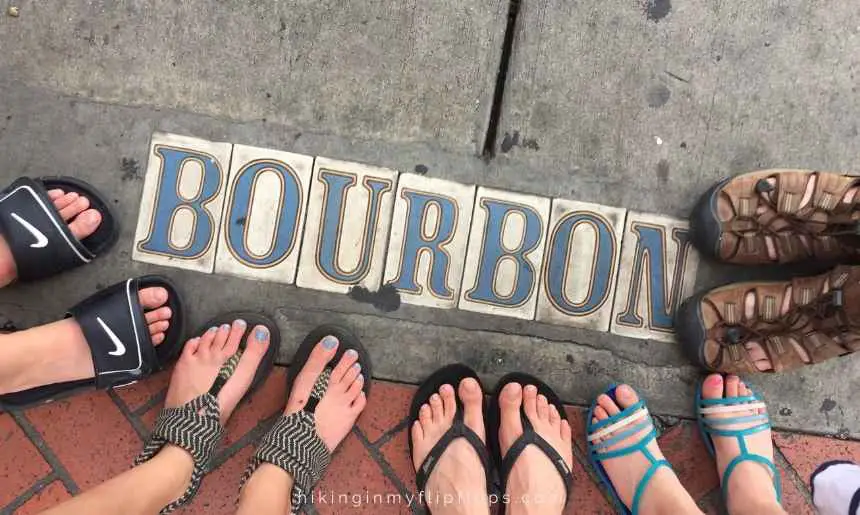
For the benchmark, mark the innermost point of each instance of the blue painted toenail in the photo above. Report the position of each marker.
(213, 328)
(351, 353)
(240, 322)
(329, 342)
(261, 334)
(225, 327)
(356, 366)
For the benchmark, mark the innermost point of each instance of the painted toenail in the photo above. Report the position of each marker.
(262, 334)
(212, 329)
(225, 327)
(329, 342)
(360, 377)
(356, 366)
(715, 380)
(90, 217)
(352, 353)
(239, 322)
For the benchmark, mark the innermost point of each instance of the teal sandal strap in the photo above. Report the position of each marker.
(747, 456)
(643, 483)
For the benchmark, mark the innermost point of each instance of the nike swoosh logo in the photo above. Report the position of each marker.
(41, 239)
(120, 348)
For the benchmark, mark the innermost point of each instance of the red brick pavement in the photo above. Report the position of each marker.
(51, 452)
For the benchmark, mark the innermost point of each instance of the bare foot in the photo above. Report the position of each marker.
(664, 492)
(74, 209)
(750, 486)
(200, 363)
(534, 485)
(58, 352)
(457, 484)
(344, 398)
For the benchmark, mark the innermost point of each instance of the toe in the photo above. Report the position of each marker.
(158, 338)
(190, 347)
(712, 387)
(319, 358)
(449, 401)
(243, 376)
(510, 401)
(417, 435)
(221, 336)
(355, 388)
(234, 337)
(343, 367)
(359, 403)
(530, 401)
(600, 413)
(732, 383)
(436, 406)
(65, 201)
(158, 327)
(626, 396)
(85, 224)
(77, 207)
(473, 404)
(55, 195)
(151, 298)
(425, 415)
(542, 407)
(206, 341)
(606, 402)
(554, 416)
(349, 377)
(157, 315)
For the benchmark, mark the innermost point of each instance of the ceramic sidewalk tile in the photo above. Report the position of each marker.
(264, 214)
(346, 230)
(581, 264)
(505, 253)
(658, 270)
(180, 210)
(427, 244)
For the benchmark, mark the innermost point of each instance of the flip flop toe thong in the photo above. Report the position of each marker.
(40, 240)
(114, 325)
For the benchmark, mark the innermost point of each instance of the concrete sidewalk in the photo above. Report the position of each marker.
(41, 466)
(632, 105)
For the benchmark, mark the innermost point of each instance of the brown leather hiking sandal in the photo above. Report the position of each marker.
(773, 326)
(779, 216)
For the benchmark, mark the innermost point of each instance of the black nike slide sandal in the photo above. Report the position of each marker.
(196, 425)
(38, 237)
(114, 325)
(293, 443)
(529, 436)
(268, 362)
(452, 375)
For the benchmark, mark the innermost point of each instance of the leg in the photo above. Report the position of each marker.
(534, 485)
(457, 484)
(149, 487)
(58, 352)
(664, 493)
(750, 490)
(269, 489)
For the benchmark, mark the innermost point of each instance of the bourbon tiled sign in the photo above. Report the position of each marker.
(334, 225)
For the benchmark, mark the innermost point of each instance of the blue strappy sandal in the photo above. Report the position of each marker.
(629, 422)
(714, 426)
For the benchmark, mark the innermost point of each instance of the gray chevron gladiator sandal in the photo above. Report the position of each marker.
(196, 426)
(293, 443)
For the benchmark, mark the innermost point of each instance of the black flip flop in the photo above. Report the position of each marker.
(451, 374)
(529, 436)
(113, 323)
(38, 237)
(268, 361)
